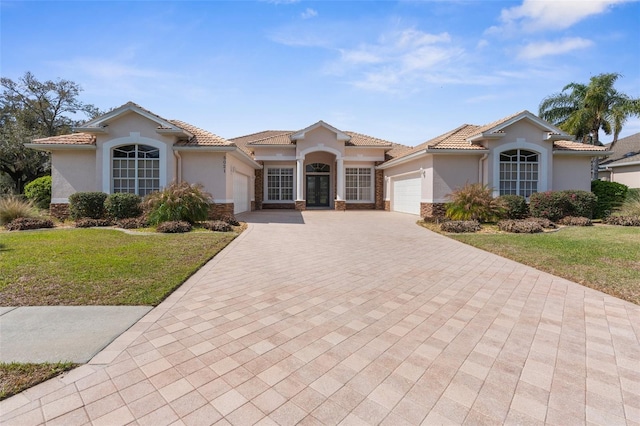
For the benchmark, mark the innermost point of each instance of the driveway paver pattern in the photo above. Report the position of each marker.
(329, 317)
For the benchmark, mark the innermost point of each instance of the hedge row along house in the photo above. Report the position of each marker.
(131, 149)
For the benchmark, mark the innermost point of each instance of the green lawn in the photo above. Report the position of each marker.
(16, 377)
(606, 258)
(99, 266)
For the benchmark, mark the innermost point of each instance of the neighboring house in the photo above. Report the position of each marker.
(623, 166)
(131, 149)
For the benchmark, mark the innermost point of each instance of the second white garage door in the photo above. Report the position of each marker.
(406, 195)
(240, 193)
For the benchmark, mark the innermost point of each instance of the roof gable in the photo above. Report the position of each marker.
(300, 135)
(496, 129)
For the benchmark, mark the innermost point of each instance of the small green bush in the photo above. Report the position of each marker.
(174, 227)
(87, 204)
(24, 223)
(575, 221)
(474, 202)
(515, 206)
(87, 222)
(610, 195)
(132, 223)
(178, 202)
(13, 207)
(520, 226)
(38, 191)
(123, 205)
(554, 205)
(217, 225)
(460, 226)
(622, 220)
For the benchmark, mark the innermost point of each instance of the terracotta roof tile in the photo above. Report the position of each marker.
(358, 139)
(200, 137)
(576, 146)
(70, 139)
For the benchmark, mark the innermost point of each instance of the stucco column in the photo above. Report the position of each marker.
(340, 183)
(299, 178)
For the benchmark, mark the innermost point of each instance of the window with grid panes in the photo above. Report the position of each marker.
(358, 183)
(519, 172)
(136, 169)
(280, 184)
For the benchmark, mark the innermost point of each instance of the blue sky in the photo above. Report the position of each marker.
(404, 71)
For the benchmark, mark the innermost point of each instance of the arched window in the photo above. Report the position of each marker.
(318, 168)
(519, 171)
(136, 169)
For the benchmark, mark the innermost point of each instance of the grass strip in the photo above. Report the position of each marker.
(16, 377)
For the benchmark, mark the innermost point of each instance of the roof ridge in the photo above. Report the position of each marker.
(262, 131)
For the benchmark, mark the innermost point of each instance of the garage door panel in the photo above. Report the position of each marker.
(406, 195)
(240, 193)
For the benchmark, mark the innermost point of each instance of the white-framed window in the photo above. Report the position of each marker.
(519, 172)
(136, 169)
(280, 184)
(358, 183)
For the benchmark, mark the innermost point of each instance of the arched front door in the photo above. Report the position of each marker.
(318, 185)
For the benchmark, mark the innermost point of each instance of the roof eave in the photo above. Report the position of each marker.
(485, 136)
(93, 130)
(205, 148)
(175, 132)
(583, 153)
(629, 163)
(59, 146)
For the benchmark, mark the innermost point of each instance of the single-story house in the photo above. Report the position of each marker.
(623, 166)
(131, 149)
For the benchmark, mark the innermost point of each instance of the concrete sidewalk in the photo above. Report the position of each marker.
(353, 317)
(62, 333)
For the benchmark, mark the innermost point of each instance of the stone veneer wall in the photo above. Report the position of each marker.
(360, 206)
(258, 188)
(59, 210)
(278, 206)
(387, 205)
(432, 210)
(219, 210)
(340, 205)
(379, 189)
(300, 205)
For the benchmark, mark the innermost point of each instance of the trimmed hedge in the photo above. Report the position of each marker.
(87, 204)
(554, 205)
(87, 222)
(575, 221)
(123, 205)
(217, 225)
(174, 227)
(545, 223)
(459, 226)
(515, 206)
(38, 191)
(132, 223)
(231, 220)
(24, 223)
(610, 195)
(623, 220)
(520, 226)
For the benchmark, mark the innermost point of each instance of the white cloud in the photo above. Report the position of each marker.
(540, 15)
(549, 48)
(309, 13)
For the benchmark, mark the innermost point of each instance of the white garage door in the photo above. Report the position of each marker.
(406, 195)
(240, 193)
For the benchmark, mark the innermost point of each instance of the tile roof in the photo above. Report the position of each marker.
(358, 139)
(625, 150)
(71, 139)
(576, 146)
(200, 137)
(283, 137)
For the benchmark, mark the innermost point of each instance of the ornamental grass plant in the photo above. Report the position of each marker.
(474, 202)
(13, 207)
(178, 202)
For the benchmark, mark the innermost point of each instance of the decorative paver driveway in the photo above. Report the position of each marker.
(358, 318)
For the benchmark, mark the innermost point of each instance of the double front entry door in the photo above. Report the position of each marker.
(317, 190)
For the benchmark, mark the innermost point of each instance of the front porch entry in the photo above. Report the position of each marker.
(317, 190)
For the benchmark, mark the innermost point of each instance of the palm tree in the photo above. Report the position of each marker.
(583, 110)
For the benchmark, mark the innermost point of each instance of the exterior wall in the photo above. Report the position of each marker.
(235, 165)
(451, 172)
(322, 138)
(72, 171)
(208, 169)
(258, 188)
(432, 210)
(363, 154)
(571, 172)
(219, 210)
(424, 163)
(626, 175)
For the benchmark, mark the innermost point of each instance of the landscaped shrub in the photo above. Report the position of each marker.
(13, 207)
(178, 202)
(515, 206)
(474, 202)
(132, 223)
(231, 220)
(123, 205)
(38, 191)
(622, 220)
(24, 223)
(544, 222)
(87, 204)
(631, 204)
(575, 221)
(520, 226)
(610, 195)
(459, 226)
(174, 227)
(555, 205)
(87, 222)
(217, 225)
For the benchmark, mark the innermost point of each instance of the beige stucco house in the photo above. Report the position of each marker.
(623, 166)
(130, 149)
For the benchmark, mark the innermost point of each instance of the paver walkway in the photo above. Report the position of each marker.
(358, 318)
